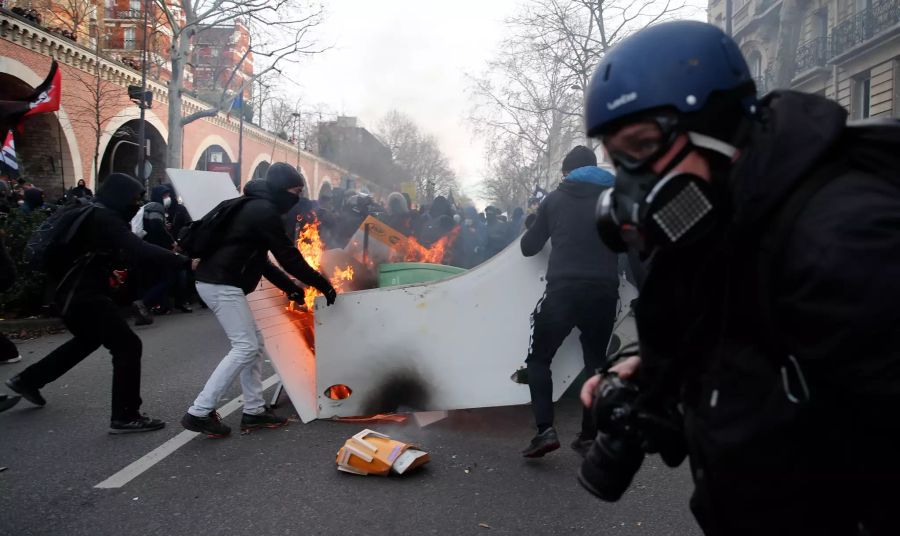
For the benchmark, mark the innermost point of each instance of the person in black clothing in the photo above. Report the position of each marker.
(233, 270)
(81, 190)
(582, 290)
(769, 314)
(82, 298)
(8, 351)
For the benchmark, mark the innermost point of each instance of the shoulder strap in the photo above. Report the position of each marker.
(774, 243)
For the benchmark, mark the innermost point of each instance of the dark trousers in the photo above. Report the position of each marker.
(589, 307)
(94, 323)
(8, 349)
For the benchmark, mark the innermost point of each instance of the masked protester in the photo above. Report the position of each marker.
(581, 290)
(233, 270)
(81, 278)
(769, 314)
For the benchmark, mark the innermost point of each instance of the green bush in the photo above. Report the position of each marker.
(27, 295)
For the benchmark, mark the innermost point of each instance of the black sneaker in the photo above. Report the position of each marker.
(185, 308)
(211, 425)
(542, 443)
(141, 423)
(7, 402)
(142, 316)
(266, 419)
(582, 445)
(28, 393)
(11, 360)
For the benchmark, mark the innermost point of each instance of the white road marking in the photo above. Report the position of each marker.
(160, 453)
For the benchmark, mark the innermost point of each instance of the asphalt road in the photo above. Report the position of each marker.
(284, 481)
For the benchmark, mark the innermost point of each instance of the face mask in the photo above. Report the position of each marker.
(167, 202)
(646, 210)
(285, 200)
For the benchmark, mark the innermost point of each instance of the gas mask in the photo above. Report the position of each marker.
(647, 210)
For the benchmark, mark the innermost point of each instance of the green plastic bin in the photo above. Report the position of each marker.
(409, 273)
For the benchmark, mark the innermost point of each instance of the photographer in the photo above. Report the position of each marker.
(769, 313)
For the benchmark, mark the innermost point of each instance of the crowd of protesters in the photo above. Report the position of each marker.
(476, 236)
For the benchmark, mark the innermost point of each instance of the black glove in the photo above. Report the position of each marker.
(296, 296)
(330, 294)
(529, 221)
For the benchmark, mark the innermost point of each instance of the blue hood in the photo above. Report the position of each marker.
(592, 175)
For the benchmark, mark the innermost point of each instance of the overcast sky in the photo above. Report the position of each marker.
(411, 55)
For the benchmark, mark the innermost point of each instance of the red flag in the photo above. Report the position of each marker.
(46, 96)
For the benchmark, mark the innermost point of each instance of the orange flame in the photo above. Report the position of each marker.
(416, 252)
(311, 247)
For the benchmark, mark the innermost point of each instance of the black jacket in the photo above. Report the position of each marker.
(706, 339)
(103, 243)
(242, 256)
(566, 218)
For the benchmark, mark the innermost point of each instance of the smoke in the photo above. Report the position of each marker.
(403, 389)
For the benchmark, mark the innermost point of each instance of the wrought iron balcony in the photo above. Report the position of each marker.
(124, 14)
(812, 53)
(864, 25)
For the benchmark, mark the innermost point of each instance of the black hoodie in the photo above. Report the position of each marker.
(104, 241)
(566, 218)
(242, 259)
(834, 294)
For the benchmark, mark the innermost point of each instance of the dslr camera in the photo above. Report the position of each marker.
(628, 430)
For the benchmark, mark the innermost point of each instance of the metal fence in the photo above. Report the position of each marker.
(864, 25)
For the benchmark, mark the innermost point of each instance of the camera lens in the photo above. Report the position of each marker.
(609, 467)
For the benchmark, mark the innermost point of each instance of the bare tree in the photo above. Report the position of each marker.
(789, 29)
(95, 104)
(511, 179)
(70, 15)
(533, 90)
(417, 154)
(280, 32)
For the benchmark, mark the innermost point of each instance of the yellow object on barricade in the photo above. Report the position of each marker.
(373, 453)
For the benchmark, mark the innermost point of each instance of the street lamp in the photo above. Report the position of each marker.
(143, 176)
(296, 116)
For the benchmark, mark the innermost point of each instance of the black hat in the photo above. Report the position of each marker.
(578, 157)
(281, 176)
(119, 192)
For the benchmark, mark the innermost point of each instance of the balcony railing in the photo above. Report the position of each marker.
(124, 14)
(813, 53)
(119, 43)
(864, 25)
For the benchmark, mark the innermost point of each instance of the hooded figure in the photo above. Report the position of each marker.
(232, 270)
(582, 290)
(398, 216)
(281, 178)
(81, 190)
(80, 274)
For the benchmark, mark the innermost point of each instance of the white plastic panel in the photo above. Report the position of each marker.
(201, 191)
(445, 345)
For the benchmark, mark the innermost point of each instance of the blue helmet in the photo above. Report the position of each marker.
(676, 65)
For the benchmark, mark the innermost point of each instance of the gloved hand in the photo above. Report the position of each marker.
(296, 297)
(330, 294)
(529, 221)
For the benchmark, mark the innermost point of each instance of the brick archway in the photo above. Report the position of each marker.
(72, 153)
(208, 142)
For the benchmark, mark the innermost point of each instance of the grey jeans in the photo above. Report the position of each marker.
(246, 355)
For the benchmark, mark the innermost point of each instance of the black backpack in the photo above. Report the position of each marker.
(49, 243)
(202, 236)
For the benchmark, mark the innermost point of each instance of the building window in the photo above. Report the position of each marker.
(862, 95)
(128, 39)
(134, 5)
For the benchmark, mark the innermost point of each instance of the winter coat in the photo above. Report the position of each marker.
(764, 391)
(104, 242)
(566, 218)
(155, 226)
(242, 258)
